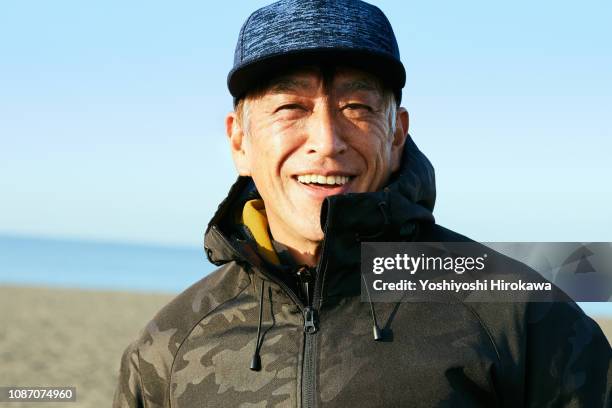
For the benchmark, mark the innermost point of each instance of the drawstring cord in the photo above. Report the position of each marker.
(256, 360)
(375, 329)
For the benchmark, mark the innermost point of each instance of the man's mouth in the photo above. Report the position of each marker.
(320, 186)
(320, 180)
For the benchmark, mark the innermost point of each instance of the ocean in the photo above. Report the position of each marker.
(100, 265)
(117, 266)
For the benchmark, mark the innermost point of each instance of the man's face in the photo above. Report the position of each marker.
(305, 138)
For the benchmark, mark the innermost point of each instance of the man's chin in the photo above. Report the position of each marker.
(313, 231)
(308, 226)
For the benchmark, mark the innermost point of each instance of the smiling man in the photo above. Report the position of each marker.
(314, 133)
(321, 145)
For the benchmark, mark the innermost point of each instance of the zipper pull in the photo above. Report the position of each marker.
(310, 325)
(304, 276)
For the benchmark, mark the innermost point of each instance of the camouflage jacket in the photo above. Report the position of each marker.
(316, 349)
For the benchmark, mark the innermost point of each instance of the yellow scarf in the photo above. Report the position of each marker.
(255, 219)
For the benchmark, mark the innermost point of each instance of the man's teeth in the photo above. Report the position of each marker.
(319, 179)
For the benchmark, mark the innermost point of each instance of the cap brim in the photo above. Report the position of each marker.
(251, 75)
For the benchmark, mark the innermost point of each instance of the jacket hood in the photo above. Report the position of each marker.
(393, 213)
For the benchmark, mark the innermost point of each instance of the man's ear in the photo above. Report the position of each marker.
(402, 120)
(238, 143)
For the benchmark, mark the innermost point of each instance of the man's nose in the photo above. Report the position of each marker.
(325, 137)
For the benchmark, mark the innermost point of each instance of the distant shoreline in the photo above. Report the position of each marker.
(99, 241)
(104, 266)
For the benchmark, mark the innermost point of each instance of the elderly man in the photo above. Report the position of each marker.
(325, 163)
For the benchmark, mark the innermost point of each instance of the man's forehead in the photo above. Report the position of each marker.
(311, 78)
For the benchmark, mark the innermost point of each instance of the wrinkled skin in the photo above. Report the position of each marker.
(305, 123)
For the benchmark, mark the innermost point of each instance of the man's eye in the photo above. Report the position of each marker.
(289, 107)
(357, 107)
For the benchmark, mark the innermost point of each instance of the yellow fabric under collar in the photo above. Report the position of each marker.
(255, 219)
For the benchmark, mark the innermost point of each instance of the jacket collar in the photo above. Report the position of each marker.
(392, 214)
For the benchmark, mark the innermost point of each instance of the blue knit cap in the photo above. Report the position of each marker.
(291, 33)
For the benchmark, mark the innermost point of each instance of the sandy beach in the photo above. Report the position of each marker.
(63, 337)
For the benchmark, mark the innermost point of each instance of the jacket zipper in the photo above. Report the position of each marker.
(310, 315)
(311, 328)
(309, 367)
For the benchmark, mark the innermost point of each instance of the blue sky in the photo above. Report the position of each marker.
(111, 116)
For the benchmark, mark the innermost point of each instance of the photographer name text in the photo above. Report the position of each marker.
(452, 286)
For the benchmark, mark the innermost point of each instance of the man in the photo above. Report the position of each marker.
(325, 163)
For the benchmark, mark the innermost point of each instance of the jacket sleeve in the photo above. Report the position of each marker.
(129, 392)
(567, 358)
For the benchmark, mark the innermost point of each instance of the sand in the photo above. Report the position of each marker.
(62, 337)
